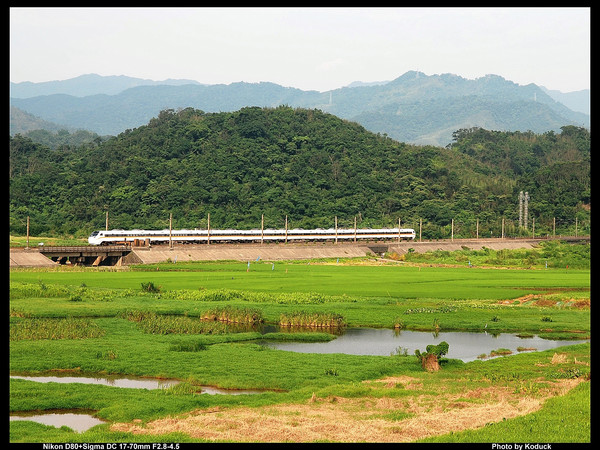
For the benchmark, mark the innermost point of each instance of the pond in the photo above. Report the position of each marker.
(78, 421)
(466, 346)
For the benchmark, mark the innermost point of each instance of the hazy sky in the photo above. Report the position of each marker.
(307, 48)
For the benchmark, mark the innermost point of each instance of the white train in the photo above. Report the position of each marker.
(112, 237)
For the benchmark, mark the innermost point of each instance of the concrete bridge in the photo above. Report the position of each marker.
(86, 255)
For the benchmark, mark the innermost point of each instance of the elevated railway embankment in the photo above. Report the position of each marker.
(125, 255)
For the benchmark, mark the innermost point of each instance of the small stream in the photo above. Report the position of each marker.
(132, 382)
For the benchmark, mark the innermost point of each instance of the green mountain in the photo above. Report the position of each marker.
(413, 108)
(47, 133)
(303, 163)
(21, 122)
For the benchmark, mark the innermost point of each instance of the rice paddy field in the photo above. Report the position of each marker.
(202, 324)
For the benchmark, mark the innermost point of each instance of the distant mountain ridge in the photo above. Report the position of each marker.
(578, 101)
(414, 108)
(88, 84)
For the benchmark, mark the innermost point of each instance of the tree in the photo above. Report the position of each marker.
(429, 359)
(306, 164)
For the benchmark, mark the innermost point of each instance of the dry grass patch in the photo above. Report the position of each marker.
(559, 358)
(367, 419)
(405, 381)
(549, 300)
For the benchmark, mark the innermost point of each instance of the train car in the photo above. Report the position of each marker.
(112, 237)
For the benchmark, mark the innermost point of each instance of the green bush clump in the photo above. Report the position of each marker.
(35, 290)
(442, 309)
(150, 287)
(188, 346)
(549, 254)
(223, 295)
(21, 290)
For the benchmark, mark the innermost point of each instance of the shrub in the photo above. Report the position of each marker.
(150, 287)
(429, 359)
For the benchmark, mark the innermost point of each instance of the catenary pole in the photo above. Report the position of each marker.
(170, 230)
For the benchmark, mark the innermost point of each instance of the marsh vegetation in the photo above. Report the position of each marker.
(125, 330)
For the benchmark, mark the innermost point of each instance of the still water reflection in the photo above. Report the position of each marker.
(123, 382)
(130, 382)
(462, 345)
(355, 341)
(80, 421)
(77, 421)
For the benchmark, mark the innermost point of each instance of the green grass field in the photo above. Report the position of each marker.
(390, 280)
(92, 309)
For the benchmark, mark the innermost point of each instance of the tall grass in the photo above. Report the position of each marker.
(234, 314)
(152, 323)
(213, 321)
(69, 328)
(311, 320)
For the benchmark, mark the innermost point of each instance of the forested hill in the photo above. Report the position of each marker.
(303, 163)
